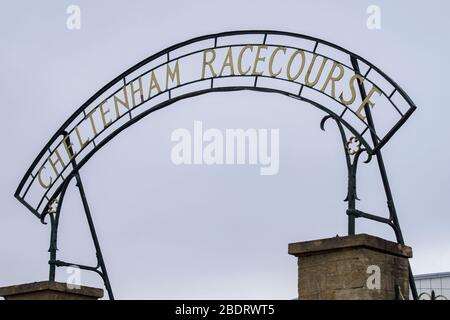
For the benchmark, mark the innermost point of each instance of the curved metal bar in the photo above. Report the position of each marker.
(185, 96)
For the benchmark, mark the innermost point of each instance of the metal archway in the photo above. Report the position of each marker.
(43, 194)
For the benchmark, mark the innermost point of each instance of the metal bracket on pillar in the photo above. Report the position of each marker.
(54, 210)
(377, 153)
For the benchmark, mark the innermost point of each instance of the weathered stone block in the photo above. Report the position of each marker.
(347, 268)
(49, 290)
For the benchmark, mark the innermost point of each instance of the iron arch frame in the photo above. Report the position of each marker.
(51, 203)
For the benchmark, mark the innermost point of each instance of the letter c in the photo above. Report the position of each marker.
(272, 57)
(241, 72)
(41, 182)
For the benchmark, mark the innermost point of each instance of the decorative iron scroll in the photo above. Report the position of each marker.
(298, 66)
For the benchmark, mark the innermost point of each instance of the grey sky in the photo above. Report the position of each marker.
(215, 231)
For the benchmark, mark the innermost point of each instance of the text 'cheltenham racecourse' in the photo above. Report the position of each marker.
(307, 70)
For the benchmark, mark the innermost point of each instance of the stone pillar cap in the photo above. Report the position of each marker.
(50, 286)
(304, 248)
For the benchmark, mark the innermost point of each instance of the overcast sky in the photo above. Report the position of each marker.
(215, 231)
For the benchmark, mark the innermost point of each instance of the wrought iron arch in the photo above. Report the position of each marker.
(49, 203)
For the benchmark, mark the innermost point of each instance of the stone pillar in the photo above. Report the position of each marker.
(49, 290)
(351, 268)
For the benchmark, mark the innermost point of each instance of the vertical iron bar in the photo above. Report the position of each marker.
(382, 169)
(53, 248)
(351, 180)
(54, 223)
(351, 198)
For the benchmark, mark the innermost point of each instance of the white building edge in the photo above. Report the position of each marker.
(437, 282)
